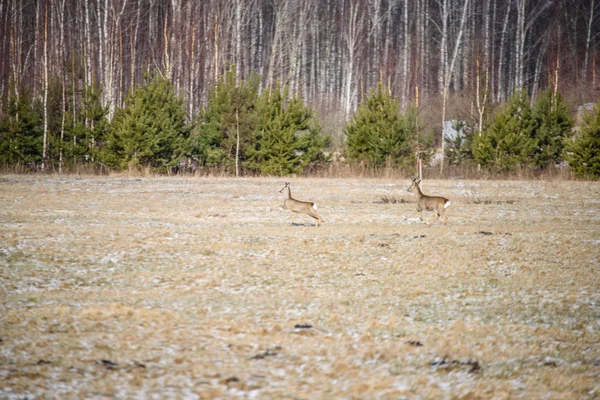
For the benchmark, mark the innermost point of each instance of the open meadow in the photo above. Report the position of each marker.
(204, 288)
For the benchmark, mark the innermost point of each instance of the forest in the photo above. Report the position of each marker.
(276, 87)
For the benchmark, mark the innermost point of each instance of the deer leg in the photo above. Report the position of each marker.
(415, 213)
(316, 216)
(442, 213)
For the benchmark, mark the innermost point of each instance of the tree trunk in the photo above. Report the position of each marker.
(46, 90)
(449, 73)
(588, 41)
(237, 141)
(501, 89)
(61, 12)
(405, 56)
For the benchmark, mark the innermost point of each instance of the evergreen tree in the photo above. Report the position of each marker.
(583, 151)
(21, 133)
(150, 131)
(86, 130)
(287, 139)
(225, 126)
(554, 123)
(378, 134)
(510, 141)
(459, 149)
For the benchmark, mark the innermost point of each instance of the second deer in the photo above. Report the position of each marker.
(297, 206)
(437, 204)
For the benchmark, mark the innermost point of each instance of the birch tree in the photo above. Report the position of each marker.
(353, 40)
(46, 91)
(593, 12)
(448, 71)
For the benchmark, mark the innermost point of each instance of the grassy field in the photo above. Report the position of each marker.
(119, 287)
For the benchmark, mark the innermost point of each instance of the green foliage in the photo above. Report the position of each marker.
(379, 135)
(225, 126)
(554, 123)
(150, 131)
(272, 133)
(583, 151)
(21, 132)
(85, 130)
(509, 142)
(459, 149)
(287, 139)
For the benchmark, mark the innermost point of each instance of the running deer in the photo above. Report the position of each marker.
(297, 206)
(437, 204)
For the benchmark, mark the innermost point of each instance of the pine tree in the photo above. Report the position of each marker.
(582, 152)
(554, 123)
(21, 133)
(150, 131)
(287, 138)
(459, 149)
(224, 128)
(509, 142)
(86, 130)
(378, 134)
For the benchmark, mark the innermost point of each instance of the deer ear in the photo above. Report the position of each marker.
(418, 181)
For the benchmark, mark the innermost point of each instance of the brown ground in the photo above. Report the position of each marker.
(192, 288)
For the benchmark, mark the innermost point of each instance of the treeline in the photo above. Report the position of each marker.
(327, 52)
(242, 130)
(70, 72)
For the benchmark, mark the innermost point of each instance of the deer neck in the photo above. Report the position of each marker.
(287, 193)
(418, 192)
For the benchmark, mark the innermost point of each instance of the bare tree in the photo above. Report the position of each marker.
(588, 38)
(449, 70)
(46, 92)
(353, 40)
(501, 58)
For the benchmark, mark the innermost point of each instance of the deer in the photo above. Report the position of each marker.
(437, 204)
(297, 206)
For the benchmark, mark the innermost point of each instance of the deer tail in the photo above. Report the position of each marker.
(447, 204)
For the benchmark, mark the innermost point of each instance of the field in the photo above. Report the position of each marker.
(123, 287)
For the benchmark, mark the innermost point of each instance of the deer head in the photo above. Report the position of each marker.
(287, 184)
(415, 183)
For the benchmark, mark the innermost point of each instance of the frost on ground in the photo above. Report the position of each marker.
(115, 287)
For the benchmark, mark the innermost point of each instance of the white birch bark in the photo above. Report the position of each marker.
(46, 92)
(15, 40)
(374, 68)
(444, 12)
(134, 44)
(519, 44)
(352, 36)
(405, 56)
(449, 73)
(175, 49)
(88, 44)
(588, 40)
(191, 80)
(107, 51)
(387, 36)
(501, 90)
(238, 46)
(276, 44)
(61, 12)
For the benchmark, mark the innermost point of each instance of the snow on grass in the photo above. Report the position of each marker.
(206, 288)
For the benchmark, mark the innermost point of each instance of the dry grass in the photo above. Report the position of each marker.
(191, 288)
